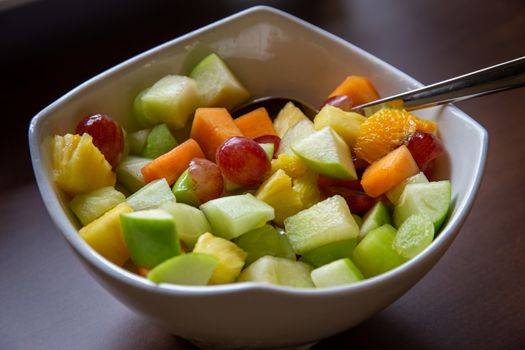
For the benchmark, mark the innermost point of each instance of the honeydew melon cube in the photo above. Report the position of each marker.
(189, 221)
(394, 194)
(325, 222)
(377, 216)
(330, 252)
(232, 216)
(150, 236)
(193, 269)
(278, 271)
(89, 206)
(151, 196)
(137, 141)
(159, 141)
(128, 172)
(336, 273)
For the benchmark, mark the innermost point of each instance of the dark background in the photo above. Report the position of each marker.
(475, 296)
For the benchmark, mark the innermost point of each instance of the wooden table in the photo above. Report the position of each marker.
(474, 298)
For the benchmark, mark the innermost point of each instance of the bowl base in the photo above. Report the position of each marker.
(206, 346)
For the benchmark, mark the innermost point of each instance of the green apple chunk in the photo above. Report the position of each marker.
(330, 252)
(375, 255)
(263, 241)
(128, 172)
(192, 269)
(345, 124)
(325, 222)
(414, 235)
(394, 194)
(171, 100)
(336, 273)
(217, 85)
(232, 216)
(137, 141)
(268, 149)
(327, 153)
(278, 271)
(431, 199)
(377, 216)
(151, 196)
(184, 190)
(189, 221)
(89, 206)
(295, 134)
(159, 141)
(150, 236)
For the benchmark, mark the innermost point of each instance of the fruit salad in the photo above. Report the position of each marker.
(277, 199)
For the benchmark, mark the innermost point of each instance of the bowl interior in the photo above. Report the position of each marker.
(273, 54)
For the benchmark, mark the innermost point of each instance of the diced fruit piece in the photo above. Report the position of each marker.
(342, 102)
(431, 199)
(192, 269)
(89, 206)
(358, 201)
(292, 165)
(325, 222)
(231, 258)
(278, 271)
(184, 190)
(138, 111)
(79, 166)
(232, 216)
(414, 235)
(137, 141)
(150, 236)
(159, 141)
(206, 179)
(277, 191)
(263, 241)
(105, 236)
(330, 252)
(374, 254)
(216, 84)
(376, 217)
(307, 189)
(255, 123)
(424, 147)
(172, 164)
(242, 161)
(388, 172)
(151, 196)
(394, 194)
(129, 174)
(211, 127)
(384, 131)
(326, 182)
(337, 273)
(358, 88)
(190, 222)
(345, 124)
(268, 148)
(106, 133)
(287, 117)
(326, 153)
(358, 220)
(171, 100)
(295, 134)
(273, 139)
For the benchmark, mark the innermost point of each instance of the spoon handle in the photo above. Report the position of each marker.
(501, 77)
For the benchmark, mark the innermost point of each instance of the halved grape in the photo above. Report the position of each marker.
(415, 234)
(341, 101)
(276, 140)
(424, 148)
(242, 161)
(358, 201)
(106, 133)
(206, 178)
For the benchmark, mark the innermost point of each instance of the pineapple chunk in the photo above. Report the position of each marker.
(307, 189)
(277, 191)
(79, 166)
(231, 258)
(292, 165)
(105, 235)
(287, 117)
(345, 124)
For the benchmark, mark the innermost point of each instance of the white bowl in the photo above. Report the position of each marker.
(273, 53)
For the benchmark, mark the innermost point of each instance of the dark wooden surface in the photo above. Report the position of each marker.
(473, 299)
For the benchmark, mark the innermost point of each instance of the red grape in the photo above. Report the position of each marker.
(358, 201)
(276, 140)
(242, 161)
(341, 101)
(360, 165)
(424, 148)
(106, 133)
(206, 179)
(326, 182)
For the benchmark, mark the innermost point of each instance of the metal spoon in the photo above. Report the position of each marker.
(500, 77)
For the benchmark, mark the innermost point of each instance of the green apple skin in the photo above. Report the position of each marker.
(375, 255)
(278, 271)
(377, 216)
(184, 191)
(337, 273)
(189, 221)
(128, 172)
(330, 252)
(326, 153)
(151, 196)
(150, 236)
(191, 269)
(159, 141)
(89, 206)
